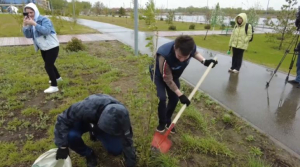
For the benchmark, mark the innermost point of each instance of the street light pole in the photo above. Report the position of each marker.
(266, 13)
(136, 49)
(268, 6)
(73, 9)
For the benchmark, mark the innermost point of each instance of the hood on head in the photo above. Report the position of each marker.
(36, 10)
(112, 118)
(243, 16)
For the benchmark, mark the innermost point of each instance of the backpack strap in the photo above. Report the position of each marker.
(246, 28)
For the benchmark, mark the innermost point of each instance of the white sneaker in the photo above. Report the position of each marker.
(235, 71)
(58, 79)
(230, 70)
(51, 89)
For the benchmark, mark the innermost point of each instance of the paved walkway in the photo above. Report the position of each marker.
(244, 93)
(19, 41)
(210, 32)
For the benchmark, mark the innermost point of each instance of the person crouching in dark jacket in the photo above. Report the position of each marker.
(106, 119)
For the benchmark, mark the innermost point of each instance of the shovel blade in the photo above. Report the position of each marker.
(161, 142)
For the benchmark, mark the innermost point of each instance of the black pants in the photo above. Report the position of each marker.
(237, 58)
(165, 111)
(49, 57)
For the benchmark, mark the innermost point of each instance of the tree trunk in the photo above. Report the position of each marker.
(281, 40)
(206, 34)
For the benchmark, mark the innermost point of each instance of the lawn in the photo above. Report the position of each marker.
(10, 27)
(207, 134)
(259, 51)
(129, 23)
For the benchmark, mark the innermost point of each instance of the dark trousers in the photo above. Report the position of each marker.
(237, 58)
(165, 111)
(49, 57)
(112, 144)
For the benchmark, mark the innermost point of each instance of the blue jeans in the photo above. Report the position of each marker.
(298, 69)
(112, 144)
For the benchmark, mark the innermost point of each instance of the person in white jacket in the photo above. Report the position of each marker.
(41, 30)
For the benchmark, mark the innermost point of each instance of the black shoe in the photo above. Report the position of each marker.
(91, 160)
(293, 82)
(161, 128)
(173, 130)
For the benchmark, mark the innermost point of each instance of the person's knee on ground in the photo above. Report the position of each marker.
(76, 143)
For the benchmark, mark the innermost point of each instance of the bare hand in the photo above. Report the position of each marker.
(24, 21)
(29, 21)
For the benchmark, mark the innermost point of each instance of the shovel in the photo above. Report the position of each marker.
(161, 141)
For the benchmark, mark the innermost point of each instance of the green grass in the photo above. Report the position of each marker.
(255, 151)
(10, 27)
(199, 120)
(163, 160)
(30, 111)
(28, 116)
(205, 145)
(259, 51)
(129, 23)
(256, 162)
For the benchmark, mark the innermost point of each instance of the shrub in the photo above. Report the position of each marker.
(232, 23)
(172, 27)
(74, 45)
(223, 27)
(207, 27)
(192, 27)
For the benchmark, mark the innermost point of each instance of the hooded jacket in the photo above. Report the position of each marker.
(239, 39)
(43, 34)
(104, 111)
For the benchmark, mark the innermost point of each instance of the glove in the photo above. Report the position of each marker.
(184, 100)
(207, 62)
(62, 153)
(229, 50)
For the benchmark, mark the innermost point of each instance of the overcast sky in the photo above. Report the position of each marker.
(245, 4)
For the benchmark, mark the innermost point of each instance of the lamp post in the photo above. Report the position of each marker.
(136, 49)
(73, 9)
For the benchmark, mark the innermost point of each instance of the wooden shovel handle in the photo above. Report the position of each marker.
(194, 91)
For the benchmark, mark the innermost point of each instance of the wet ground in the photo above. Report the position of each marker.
(245, 93)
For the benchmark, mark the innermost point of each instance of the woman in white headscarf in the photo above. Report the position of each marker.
(41, 30)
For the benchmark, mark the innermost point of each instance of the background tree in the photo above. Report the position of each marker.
(231, 13)
(253, 17)
(170, 17)
(207, 16)
(59, 6)
(98, 7)
(217, 17)
(150, 12)
(122, 11)
(207, 27)
(86, 7)
(286, 17)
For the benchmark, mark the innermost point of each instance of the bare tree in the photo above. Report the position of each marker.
(98, 7)
(285, 18)
(207, 16)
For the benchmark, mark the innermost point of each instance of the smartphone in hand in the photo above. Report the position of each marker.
(25, 15)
